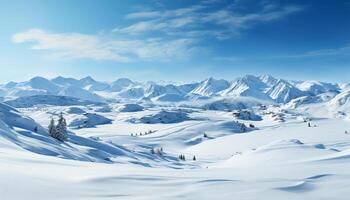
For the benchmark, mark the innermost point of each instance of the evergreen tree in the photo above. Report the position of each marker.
(61, 129)
(52, 128)
(205, 135)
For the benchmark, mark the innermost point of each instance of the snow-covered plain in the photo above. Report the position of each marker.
(298, 149)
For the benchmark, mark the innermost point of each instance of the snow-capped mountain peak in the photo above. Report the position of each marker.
(210, 87)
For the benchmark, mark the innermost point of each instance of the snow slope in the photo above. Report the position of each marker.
(298, 149)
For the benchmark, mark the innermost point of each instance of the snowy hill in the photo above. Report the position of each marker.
(298, 132)
(23, 133)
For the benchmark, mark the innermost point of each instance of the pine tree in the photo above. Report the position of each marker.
(52, 128)
(61, 129)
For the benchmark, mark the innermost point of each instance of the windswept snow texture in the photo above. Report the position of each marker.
(253, 137)
(130, 108)
(164, 117)
(88, 120)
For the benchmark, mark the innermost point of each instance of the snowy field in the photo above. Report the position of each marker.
(294, 147)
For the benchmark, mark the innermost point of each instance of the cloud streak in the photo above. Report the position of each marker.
(342, 51)
(179, 33)
(98, 47)
(223, 20)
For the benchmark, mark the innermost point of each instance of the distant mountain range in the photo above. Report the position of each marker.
(264, 87)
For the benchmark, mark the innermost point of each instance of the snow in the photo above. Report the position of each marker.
(316, 87)
(263, 87)
(120, 84)
(271, 153)
(210, 87)
(35, 100)
(130, 108)
(283, 92)
(164, 117)
(75, 110)
(88, 120)
(73, 91)
(170, 98)
(248, 86)
(231, 104)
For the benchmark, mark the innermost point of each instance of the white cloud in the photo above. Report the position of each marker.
(142, 26)
(236, 21)
(330, 52)
(342, 51)
(144, 14)
(222, 21)
(99, 47)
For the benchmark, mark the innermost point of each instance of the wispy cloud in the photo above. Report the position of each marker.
(179, 32)
(237, 21)
(99, 47)
(222, 21)
(342, 51)
(144, 14)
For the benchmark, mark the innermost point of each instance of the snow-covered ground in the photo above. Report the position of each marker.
(296, 145)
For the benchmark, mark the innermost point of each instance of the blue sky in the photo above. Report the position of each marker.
(182, 40)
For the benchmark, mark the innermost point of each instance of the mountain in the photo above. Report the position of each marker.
(58, 86)
(283, 92)
(120, 84)
(41, 83)
(155, 90)
(264, 87)
(342, 99)
(132, 93)
(30, 101)
(87, 81)
(74, 91)
(186, 88)
(316, 87)
(268, 80)
(210, 87)
(248, 86)
(66, 81)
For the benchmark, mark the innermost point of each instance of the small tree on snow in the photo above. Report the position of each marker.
(205, 135)
(61, 128)
(58, 131)
(52, 128)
